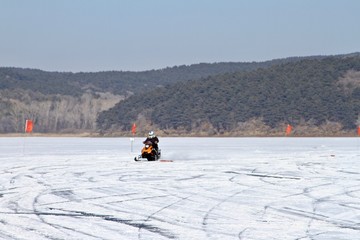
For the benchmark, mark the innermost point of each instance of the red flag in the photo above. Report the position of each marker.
(358, 130)
(288, 129)
(29, 125)
(133, 129)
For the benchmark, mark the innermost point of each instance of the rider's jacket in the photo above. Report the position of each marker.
(153, 140)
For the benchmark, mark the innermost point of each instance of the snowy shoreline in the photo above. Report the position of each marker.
(97, 135)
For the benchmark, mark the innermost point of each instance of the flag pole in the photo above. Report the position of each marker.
(133, 131)
(23, 148)
(132, 142)
(29, 125)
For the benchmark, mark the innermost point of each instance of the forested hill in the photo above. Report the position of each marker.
(65, 102)
(119, 82)
(68, 102)
(310, 94)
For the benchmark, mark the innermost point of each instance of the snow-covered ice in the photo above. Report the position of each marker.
(215, 188)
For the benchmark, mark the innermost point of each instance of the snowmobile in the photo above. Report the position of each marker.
(148, 153)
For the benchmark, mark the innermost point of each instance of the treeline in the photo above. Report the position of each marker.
(121, 82)
(52, 113)
(310, 92)
(71, 102)
(205, 99)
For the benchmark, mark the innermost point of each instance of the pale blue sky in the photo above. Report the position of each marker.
(136, 35)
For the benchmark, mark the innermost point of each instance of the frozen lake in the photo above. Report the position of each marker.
(215, 188)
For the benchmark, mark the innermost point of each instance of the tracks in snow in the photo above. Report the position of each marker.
(110, 199)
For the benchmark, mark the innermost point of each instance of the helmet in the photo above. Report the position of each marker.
(151, 134)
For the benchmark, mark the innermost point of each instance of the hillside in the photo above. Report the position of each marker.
(120, 82)
(70, 102)
(312, 94)
(207, 99)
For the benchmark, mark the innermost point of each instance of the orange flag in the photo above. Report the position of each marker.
(29, 125)
(358, 130)
(288, 129)
(133, 129)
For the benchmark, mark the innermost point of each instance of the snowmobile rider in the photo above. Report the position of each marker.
(153, 139)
